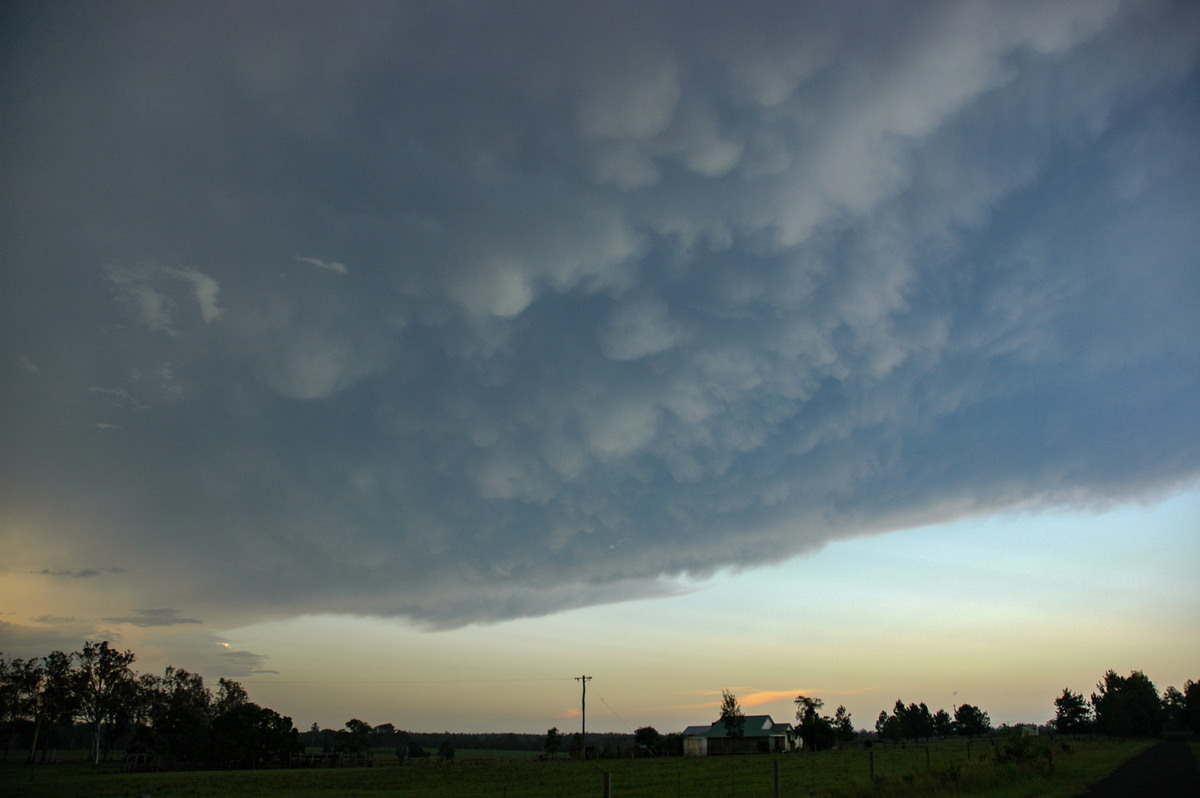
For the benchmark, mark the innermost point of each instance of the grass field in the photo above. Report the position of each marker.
(933, 770)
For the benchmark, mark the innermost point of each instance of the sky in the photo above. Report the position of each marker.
(407, 360)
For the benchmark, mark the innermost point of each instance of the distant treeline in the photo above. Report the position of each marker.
(416, 744)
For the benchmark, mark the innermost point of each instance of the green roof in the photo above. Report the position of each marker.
(753, 726)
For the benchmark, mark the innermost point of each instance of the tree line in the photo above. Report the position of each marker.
(1122, 706)
(1129, 706)
(50, 703)
(46, 701)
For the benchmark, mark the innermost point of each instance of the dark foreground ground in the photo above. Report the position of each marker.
(1167, 770)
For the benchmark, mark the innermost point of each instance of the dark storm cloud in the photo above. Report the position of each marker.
(160, 616)
(472, 312)
(83, 573)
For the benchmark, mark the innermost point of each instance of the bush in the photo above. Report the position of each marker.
(1021, 749)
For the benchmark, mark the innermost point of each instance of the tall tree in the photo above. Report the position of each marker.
(920, 721)
(1127, 706)
(23, 683)
(888, 726)
(60, 701)
(732, 715)
(943, 724)
(843, 726)
(230, 695)
(182, 714)
(1174, 708)
(102, 675)
(1072, 715)
(903, 721)
(972, 721)
(1191, 702)
(815, 730)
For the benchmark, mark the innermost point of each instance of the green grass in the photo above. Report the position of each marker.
(938, 769)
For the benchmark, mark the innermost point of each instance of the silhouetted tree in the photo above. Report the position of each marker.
(912, 721)
(356, 737)
(943, 724)
(553, 741)
(1174, 708)
(1072, 715)
(22, 691)
(230, 695)
(972, 721)
(815, 729)
(731, 715)
(888, 726)
(918, 721)
(446, 751)
(102, 676)
(1191, 703)
(60, 701)
(181, 715)
(1127, 706)
(649, 737)
(247, 735)
(843, 726)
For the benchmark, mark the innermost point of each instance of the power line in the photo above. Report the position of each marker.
(618, 717)
(398, 681)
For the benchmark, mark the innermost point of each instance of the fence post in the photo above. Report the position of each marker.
(927, 757)
(607, 784)
(871, 755)
(776, 777)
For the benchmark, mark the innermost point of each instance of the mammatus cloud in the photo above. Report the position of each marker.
(639, 293)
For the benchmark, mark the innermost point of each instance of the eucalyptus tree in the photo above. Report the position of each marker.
(816, 730)
(843, 726)
(183, 714)
(102, 678)
(230, 695)
(59, 700)
(20, 695)
(731, 715)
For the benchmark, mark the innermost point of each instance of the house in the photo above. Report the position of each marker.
(760, 735)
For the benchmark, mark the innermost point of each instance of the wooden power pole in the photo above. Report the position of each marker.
(583, 712)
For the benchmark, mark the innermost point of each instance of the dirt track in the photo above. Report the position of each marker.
(1168, 770)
